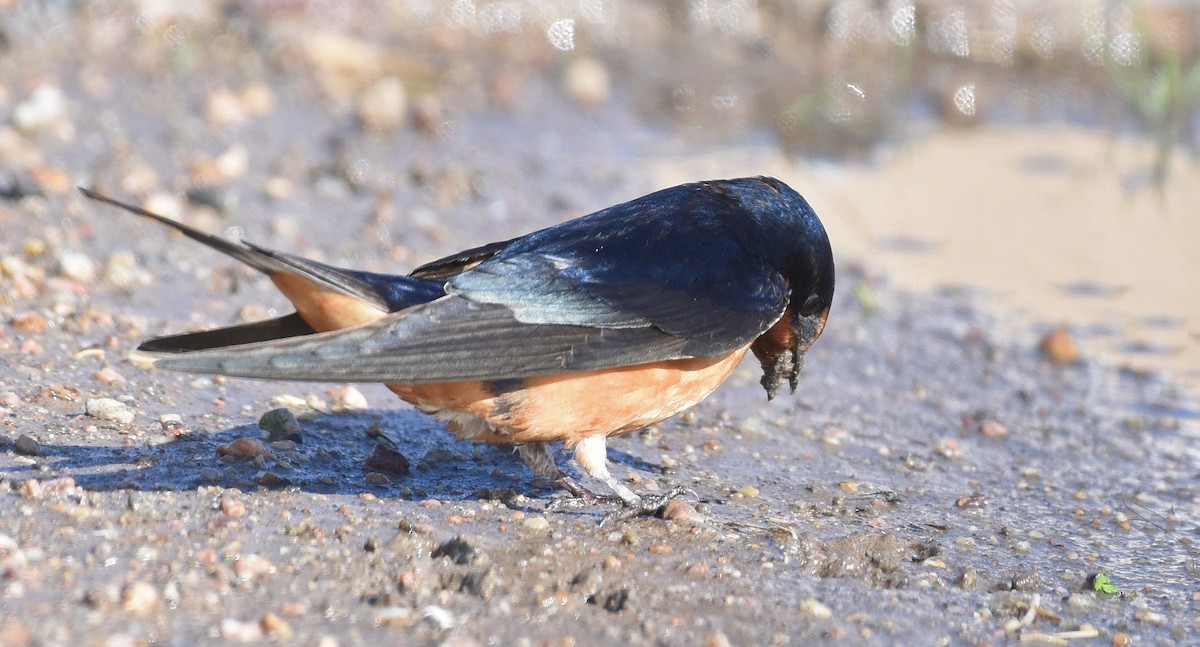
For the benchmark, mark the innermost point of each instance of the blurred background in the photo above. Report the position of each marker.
(1039, 157)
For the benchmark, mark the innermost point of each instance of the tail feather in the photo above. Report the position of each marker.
(246, 255)
(292, 325)
(387, 292)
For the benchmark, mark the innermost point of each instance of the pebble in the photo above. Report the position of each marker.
(32, 489)
(232, 507)
(250, 567)
(536, 523)
(588, 82)
(109, 376)
(257, 99)
(992, 429)
(122, 270)
(224, 108)
(386, 459)
(975, 500)
(440, 617)
(44, 107)
(109, 409)
(1151, 617)
(9, 400)
(816, 609)
(681, 512)
(347, 398)
(171, 423)
(383, 105)
(245, 447)
(342, 61)
(278, 188)
(717, 639)
(25, 444)
(1059, 347)
(287, 399)
(139, 598)
(1026, 580)
(29, 322)
(969, 579)
(747, 491)
(77, 266)
(395, 617)
(276, 626)
(242, 631)
(53, 180)
(140, 179)
(281, 424)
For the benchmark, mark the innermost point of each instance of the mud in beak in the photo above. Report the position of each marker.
(788, 362)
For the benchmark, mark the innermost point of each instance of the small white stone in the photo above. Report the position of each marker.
(109, 409)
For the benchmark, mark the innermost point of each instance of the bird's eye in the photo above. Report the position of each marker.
(812, 305)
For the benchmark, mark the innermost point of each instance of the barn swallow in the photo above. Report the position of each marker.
(591, 328)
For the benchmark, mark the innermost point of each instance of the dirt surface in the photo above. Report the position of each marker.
(935, 480)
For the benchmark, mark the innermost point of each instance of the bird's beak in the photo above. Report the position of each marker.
(784, 361)
(808, 329)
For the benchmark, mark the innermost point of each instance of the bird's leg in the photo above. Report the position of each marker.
(592, 456)
(539, 459)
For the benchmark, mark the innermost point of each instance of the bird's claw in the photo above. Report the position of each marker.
(644, 506)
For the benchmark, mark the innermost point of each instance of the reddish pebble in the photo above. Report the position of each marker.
(976, 500)
(245, 447)
(1059, 347)
(680, 512)
(28, 322)
(30, 346)
(233, 507)
(992, 429)
(107, 375)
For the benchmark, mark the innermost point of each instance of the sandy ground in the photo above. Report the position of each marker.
(935, 480)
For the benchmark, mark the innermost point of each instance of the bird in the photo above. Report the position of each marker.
(587, 329)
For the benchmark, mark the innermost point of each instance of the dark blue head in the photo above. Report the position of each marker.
(799, 249)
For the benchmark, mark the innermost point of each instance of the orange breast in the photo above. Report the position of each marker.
(572, 406)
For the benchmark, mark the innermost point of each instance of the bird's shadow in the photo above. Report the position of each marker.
(331, 458)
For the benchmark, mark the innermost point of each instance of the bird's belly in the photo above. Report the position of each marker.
(572, 406)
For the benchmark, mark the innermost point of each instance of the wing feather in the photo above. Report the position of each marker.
(450, 339)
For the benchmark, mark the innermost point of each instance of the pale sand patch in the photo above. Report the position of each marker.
(1023, 213)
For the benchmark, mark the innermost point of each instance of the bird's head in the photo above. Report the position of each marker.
(803, 254)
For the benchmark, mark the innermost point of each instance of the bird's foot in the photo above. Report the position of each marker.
(643, 506)
(581, 497)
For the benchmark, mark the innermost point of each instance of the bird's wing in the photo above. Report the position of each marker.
(444, 268)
